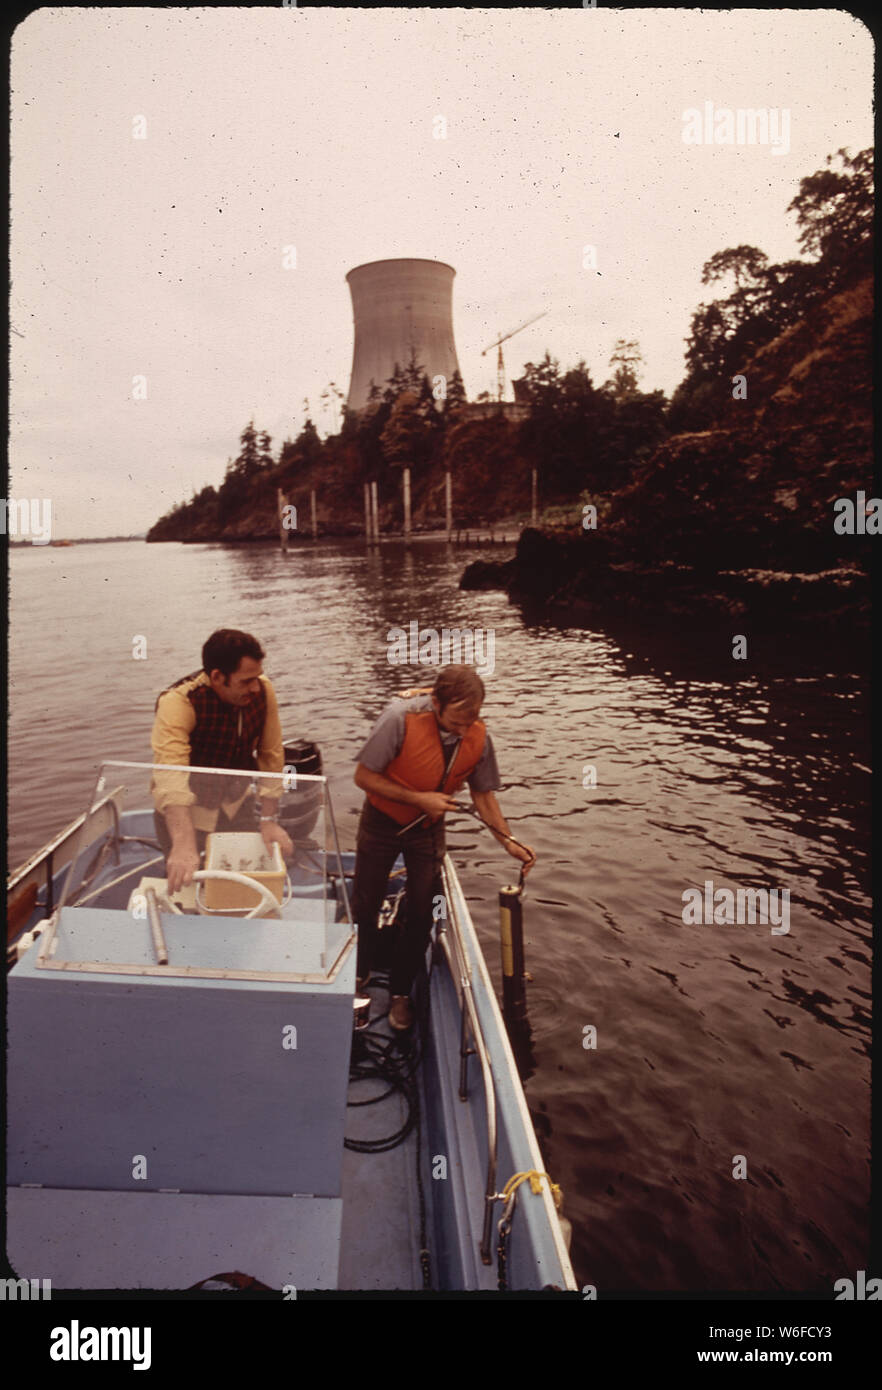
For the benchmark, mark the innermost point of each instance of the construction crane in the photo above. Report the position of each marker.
(500, 368)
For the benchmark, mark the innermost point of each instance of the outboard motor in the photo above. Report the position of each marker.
(300, 805)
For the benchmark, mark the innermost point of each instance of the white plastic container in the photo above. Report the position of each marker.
(243, 852)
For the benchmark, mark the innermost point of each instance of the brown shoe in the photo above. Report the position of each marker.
(361, 1011)
(401, 1013)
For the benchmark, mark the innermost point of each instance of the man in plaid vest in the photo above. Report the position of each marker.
(224, 716)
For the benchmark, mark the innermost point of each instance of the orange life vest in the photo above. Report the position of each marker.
(420, 764)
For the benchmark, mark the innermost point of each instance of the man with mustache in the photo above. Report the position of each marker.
(225, 716)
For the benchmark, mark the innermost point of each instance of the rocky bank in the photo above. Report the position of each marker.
(735, 522)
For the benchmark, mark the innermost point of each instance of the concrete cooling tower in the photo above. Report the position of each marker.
(400, 307)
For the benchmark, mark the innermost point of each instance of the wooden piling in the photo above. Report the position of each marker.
(281, 504)
(376, 510)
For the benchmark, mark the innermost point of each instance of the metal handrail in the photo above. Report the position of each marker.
(46, 856)
(458, 965)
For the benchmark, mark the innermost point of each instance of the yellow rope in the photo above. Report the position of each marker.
(535, 1178)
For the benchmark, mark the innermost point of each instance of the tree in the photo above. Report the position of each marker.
(299, 457)
(487, 468)
(542, 437)
(627, 359)
(834, 208)
(331, 399)
(266, 455)
(370, 425)
(745, 263)
(541, 383)
(248, 461)
(395, 384)
(456, 396)
(231, 492)
(413, 372)
(407, 438)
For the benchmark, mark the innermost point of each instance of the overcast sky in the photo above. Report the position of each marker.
(162, 257)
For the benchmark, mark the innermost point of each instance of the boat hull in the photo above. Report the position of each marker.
(241, 1138)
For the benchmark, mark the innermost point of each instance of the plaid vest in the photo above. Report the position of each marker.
(224, 736)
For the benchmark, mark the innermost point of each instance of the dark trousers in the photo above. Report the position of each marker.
(378, 845)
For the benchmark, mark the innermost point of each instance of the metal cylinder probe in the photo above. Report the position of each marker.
(159, 946)
(511, 942)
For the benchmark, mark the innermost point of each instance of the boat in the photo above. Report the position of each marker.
(198, 1098)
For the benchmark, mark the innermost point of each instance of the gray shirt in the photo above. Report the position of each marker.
(385, 740)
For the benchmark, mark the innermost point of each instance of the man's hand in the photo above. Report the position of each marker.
(434, 804)
(183, 857)
(487, 808)
(526, 855)
(180, 866)
(273, 834)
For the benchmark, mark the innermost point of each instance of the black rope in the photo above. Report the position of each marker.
(376, 1056)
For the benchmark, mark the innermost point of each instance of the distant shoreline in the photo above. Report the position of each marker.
(61, 542)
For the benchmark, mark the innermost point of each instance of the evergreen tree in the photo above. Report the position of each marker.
(456, 396)
(409, 435)
(266, 455)
(426, 401)
(395, 384)
(338, 406)
(413, 373)
(248, 461)
(627, 360)
(298, 457)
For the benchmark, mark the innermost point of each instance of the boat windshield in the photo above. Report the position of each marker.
(259, 848)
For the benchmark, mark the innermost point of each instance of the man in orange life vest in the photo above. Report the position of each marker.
(405, 767)
(224, 716)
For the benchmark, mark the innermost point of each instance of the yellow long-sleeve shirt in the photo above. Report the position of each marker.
(175, 721)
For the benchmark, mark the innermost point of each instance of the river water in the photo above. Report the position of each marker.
(720, 1049)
